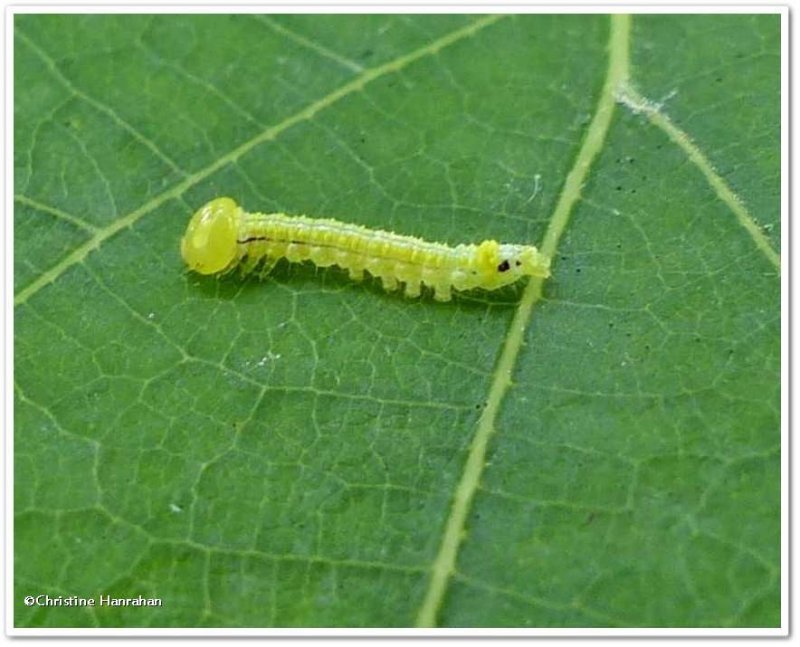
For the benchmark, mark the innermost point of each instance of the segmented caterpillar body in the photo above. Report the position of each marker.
(222, 236)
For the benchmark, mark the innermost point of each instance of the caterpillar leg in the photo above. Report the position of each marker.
(413, 289)
(249, 264)
(442, 292)
(389, 283)
(356, 275)
(266, 267)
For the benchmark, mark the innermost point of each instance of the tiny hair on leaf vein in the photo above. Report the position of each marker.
(221, 236)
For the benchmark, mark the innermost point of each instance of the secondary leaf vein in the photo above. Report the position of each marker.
(630, 97)
(307, 113)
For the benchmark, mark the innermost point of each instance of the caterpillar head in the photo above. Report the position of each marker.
(502, 265)
(209, 244)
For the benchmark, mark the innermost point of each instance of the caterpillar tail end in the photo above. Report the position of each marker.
(209, 244)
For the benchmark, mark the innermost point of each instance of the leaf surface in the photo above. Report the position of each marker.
(287, 452)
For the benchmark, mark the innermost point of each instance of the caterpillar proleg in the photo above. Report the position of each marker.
(222, 236)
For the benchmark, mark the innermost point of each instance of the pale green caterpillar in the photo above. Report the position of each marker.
(222, 236)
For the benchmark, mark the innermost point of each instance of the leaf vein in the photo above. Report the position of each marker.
(444, 565)
(630, 97)
(307, 113)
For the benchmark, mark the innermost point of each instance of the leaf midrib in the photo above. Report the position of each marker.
(445, 562)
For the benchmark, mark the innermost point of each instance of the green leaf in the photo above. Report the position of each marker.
(602, 449)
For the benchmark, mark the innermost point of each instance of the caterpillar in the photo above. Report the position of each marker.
(222, 236)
